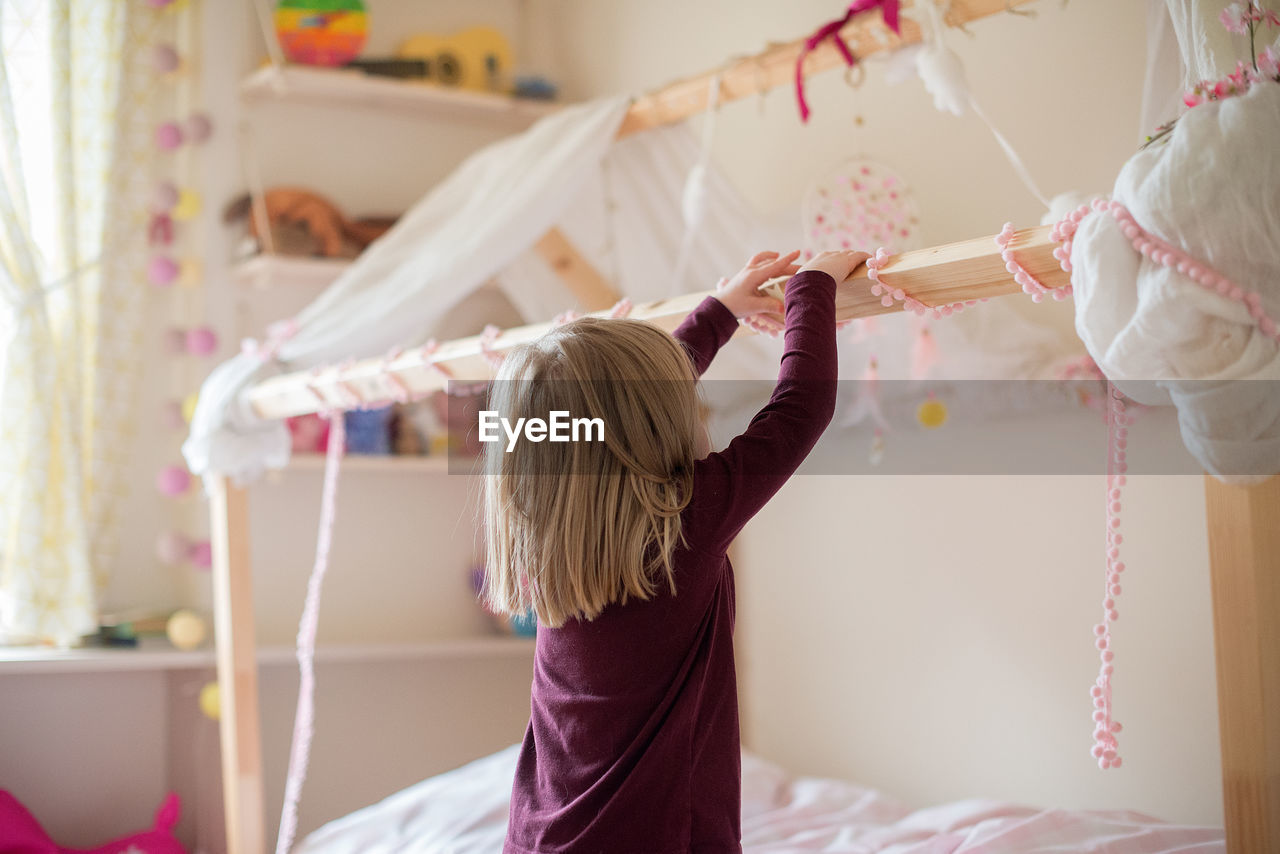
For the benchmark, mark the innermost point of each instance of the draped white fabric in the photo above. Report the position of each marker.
(1210, 189)
(471, 226)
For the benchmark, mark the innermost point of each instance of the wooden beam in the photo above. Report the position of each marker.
(592, 290)
(970, 269)
(1244, 562)
(237, 668)
(776, 66)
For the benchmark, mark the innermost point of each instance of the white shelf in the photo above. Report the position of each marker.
(353, 88)
(265, 270)
(156, 654)
(438, 464)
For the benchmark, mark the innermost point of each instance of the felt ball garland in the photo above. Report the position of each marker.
(174, 207)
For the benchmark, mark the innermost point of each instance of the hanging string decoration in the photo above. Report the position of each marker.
(173, 233)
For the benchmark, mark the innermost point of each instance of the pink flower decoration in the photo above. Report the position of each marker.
(1235, 18)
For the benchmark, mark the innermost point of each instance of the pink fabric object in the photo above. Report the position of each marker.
(304, 717)
(20, 833)
(831, 30)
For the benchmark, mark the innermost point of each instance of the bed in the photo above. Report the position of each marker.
(464, 811)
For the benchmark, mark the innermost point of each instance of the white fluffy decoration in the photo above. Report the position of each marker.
(943, 76)
(1211, 190)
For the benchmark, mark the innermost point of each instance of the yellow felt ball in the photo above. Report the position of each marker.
(211, 701)
(932, 413)
(188, 206)
(186, 629)
(189, 406)
(189, 272)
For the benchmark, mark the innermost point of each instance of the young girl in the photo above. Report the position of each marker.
(619, 546)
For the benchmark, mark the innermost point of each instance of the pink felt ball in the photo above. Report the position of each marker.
(172, 548)
(201, 341)
(164, 197)
(171, 410)
(173, 481)
(201, 554)
(168, 136)
(174, 341)
(162, 271)
(199, 127)
(164, 58)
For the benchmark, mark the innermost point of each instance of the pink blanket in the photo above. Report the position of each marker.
(465, 812)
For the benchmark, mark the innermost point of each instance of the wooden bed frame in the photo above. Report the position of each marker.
(1243, 522)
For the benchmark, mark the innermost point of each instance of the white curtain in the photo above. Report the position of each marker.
(73, 87)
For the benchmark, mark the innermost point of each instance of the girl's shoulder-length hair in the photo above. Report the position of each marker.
(576, 525)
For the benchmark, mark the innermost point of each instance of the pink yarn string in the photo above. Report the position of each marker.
(831, 30)
(1030, 284)
(487, 339)
(1105, 745)
(622, 308)
(277, 333)
(304, 717)
(561, 319)
(400, 391)
(427, 352)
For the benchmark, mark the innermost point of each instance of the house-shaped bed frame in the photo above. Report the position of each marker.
(1243, 522)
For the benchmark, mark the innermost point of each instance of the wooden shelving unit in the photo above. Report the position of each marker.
(157, 654)
(350, 88)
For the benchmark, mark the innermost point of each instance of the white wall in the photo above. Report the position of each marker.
(932, 635)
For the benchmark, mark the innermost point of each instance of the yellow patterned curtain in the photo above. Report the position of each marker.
(74, 90)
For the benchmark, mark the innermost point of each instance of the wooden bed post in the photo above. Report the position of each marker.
(1244, 557)
(237, 668)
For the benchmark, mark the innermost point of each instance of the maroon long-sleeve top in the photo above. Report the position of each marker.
(633, 745)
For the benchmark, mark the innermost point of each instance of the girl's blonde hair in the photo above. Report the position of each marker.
(575, 526)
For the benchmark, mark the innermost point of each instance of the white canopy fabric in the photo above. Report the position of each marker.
(472, 225)
(618, 203)
(1210, 190)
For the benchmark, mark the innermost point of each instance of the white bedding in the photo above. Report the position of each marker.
(465, 812)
